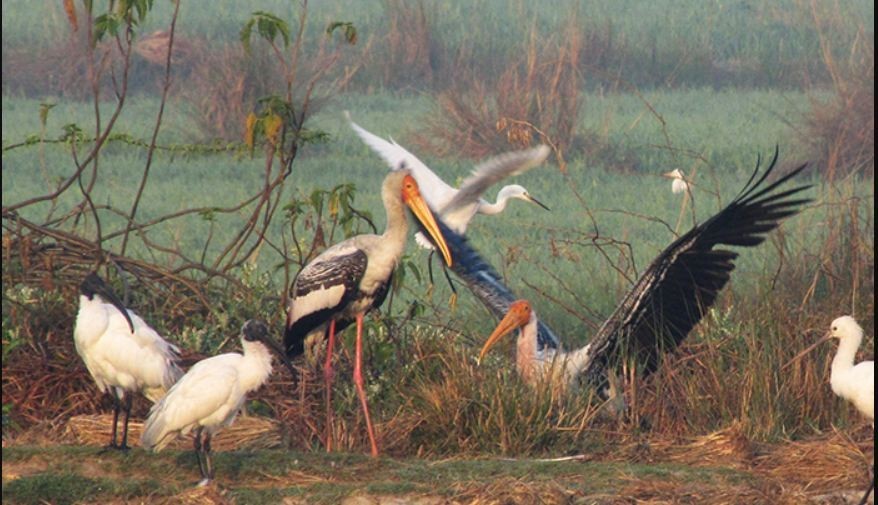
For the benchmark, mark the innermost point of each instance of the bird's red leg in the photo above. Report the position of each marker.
(327, 383)
(358, 381)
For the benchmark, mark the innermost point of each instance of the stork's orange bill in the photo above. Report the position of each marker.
(517, 316)
(411, 195)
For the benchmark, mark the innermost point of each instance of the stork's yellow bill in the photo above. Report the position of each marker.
(411, 195)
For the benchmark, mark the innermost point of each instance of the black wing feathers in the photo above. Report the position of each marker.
(346, 270)
(674, 293)
(486, 283)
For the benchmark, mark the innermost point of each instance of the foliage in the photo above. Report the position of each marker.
(222, 227)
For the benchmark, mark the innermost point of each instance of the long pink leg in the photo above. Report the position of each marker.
(327, 382)
(358, 380)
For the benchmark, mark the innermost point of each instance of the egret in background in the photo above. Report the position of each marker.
(351, 278)
(854, 383)
(122, 353)
(211, 394)
(678, 181)
(679, 185)
(664, 304)
(456, 207)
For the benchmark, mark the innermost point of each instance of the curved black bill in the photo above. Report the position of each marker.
(94, 285)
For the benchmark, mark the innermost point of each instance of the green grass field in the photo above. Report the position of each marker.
(705, 87)
(728, 129)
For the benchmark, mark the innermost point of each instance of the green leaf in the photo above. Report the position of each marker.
(268, 26)
(349, 31)
(72, 132)
(45, 107)
(107, 23)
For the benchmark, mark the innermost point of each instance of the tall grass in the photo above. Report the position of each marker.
(613, 214)
(420, 46)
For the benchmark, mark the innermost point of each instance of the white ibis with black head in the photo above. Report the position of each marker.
(211, 394)
(665, 303)
(122, 353)
(352, 277)
(456, 207)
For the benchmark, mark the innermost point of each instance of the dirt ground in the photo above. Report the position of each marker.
(65, 464)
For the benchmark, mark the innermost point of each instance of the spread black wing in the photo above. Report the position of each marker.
(672, 295)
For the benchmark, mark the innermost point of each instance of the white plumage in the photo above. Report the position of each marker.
(678, 181)
(211, 394)
(855, 383)
(122, 353)
(457, 207)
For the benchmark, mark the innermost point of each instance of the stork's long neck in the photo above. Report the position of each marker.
(528, 359)
(397, 224)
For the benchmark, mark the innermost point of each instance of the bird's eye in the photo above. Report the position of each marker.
(834, 328)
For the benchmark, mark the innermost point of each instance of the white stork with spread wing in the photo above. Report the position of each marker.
(122, 353)
(351, 278)
(665, 303)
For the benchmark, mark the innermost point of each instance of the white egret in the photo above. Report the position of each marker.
(351, 278)
(211, 394)
(678, 181)
(122, 353)
(457, 206)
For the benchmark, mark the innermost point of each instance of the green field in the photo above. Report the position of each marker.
(706, 87)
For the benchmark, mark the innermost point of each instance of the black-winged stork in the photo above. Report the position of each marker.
(352, 277)
(662, 307)
(121, 352)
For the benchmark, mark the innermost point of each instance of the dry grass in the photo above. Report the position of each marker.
(676, 491)
(726, 447)
(510, 491)
(208, 495)
(223, 87)
(841, 129)
(829, 462)
(406, 52)
(248, 432)
(535, 100)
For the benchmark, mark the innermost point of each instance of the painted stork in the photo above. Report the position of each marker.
(679, 184)
(854, 383)
(121, 352)
(211, 394)
(665, 303)
(457, 207)
(352, 277)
